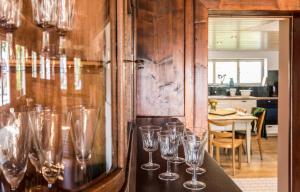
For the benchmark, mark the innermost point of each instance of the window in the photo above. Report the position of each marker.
(242, 71)
(225, 70)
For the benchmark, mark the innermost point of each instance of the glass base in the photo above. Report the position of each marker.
(194, 185)
(177, 160)
(168, 176)
(150, 166)
(199, 170)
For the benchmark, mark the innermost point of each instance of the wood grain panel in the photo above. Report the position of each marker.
(201, 57)
(160, 43)
(189, 63)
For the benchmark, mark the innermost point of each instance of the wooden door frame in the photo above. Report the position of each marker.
(197, 113)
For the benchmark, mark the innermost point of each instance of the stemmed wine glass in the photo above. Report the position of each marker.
(176, 127)
(168, 142)
(84, 122)
(3, 7)
(14, 148)
(199, 170)
(11, 20)
(47, 133)
(45, 17)
(65, 14)
(150, 144)
(194, 153)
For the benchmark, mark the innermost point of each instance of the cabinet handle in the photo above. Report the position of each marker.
(244, 101)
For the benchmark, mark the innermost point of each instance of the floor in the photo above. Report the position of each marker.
(258, 168)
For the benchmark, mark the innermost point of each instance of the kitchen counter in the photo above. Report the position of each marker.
(222, 97)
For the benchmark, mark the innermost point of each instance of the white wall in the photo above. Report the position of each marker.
(271, 56)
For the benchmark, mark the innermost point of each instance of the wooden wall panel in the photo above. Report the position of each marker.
(201, 66)
(160, 43)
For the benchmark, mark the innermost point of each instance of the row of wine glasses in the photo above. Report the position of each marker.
(168, 140)
(36, 133)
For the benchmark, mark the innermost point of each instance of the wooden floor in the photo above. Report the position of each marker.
(258, 168)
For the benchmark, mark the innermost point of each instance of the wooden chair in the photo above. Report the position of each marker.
(256, 135)
(225, 140)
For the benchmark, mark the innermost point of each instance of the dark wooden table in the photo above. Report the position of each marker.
(147, 181)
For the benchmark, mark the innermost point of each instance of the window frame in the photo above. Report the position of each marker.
(263, 62)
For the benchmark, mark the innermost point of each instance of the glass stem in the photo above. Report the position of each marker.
(194, 175)
(46, 41)
(62, 41)
(150, 158)
(9, 39)
(168, 167)
(49, 186)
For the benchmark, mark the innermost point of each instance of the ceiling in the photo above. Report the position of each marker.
(243, 33)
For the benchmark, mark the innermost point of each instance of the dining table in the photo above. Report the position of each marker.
(242, 123)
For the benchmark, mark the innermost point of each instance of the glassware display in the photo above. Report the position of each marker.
(176, 127)
(194, 147)
(150, 144)
(65, 21)
(84, 122)
(14, 148)
(168, 141)
(47, 133)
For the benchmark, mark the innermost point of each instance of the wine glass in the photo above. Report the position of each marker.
(14, 148)
(150, 144)
(84, 122)
(176, 127)
(47, 132)
(45, 16)
(12, 20)
(199, 170)
(65, 14)
(194, 153)
(3, 7)
(168, 142)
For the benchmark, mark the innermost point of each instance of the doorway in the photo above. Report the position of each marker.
(248, 69)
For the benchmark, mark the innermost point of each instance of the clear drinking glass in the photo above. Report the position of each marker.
(3, 13)
(65, 21)
(150, 144)
(176, 127)
(12, 18)
(84, 122)
(47, 133)
(14, 148)
(45, 16)
(168, 142)
(194, 147)
(199, 169)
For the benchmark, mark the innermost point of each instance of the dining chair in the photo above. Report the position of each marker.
(256, 135)
(224, 140)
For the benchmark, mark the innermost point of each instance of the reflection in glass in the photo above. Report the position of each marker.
(34, 64)
(77, 73)
(42, 67)
(20, 70)
(63, 72)
(48, 68)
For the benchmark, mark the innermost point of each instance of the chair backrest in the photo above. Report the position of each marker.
(221, 134)
(260, 123)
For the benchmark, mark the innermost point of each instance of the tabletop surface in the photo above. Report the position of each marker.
(232, 117)
(147, 181)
